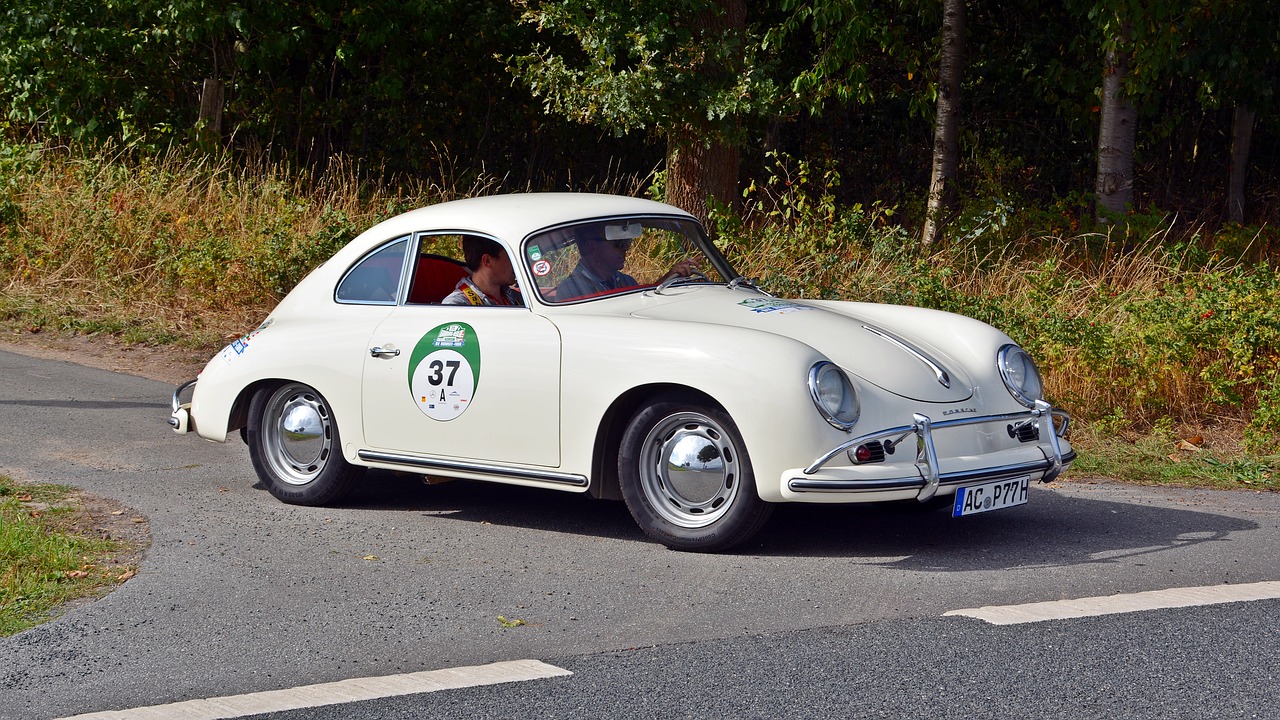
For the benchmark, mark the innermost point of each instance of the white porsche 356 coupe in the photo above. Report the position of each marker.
(634, 364)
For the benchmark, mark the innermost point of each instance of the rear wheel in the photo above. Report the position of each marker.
(687, 479)
(295, 447)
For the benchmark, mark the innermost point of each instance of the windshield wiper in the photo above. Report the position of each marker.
(744, 281)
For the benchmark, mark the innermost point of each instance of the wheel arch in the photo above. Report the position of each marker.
(239, 416)
(604, 470)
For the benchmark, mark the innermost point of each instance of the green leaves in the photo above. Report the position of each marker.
(652, 65)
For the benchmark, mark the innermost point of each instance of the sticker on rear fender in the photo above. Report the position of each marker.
(241, 346)
(990, 496)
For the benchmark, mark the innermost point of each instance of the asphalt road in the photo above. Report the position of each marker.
(831, 612)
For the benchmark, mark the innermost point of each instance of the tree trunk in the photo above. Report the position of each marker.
(1241, 137)
(946, 135)
(700, 168)
(701, 163)
(211, 93)
(1116, 135)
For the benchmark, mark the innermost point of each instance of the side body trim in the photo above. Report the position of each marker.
(498, 471)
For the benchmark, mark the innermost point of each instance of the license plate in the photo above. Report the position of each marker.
(997, 495)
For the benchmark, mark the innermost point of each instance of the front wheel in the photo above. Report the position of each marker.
(686, 477)
(295, 447)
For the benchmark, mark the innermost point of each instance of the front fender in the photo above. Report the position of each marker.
(326, 353)
(759, 378)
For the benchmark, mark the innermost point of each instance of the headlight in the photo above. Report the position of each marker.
(833, 394)
(1020, 375)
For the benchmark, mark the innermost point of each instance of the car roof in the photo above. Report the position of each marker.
(513, 217)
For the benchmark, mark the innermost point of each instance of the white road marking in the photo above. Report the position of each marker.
(1109, 605)
(334, 693)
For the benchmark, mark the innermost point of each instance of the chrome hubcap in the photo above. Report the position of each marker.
(689, 470)
(299, 434)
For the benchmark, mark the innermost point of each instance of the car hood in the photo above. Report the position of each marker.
(878, 353)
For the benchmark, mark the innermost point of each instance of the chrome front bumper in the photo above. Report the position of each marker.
(929, 473)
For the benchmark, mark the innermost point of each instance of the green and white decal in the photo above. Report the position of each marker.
(444, 370)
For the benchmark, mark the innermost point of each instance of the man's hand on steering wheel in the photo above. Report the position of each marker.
(684, 268)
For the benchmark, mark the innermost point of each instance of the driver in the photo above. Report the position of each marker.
(600, 264)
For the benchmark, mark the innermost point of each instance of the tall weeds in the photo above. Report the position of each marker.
(181, 240)
(1137, 328)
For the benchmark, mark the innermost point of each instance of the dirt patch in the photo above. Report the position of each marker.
(108, 519)
(163, 363)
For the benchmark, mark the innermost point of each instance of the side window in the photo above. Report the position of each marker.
(437, 268)
(376, 278)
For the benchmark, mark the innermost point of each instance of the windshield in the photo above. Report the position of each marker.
(601, 258)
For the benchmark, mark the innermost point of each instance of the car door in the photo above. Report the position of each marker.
(463, 382)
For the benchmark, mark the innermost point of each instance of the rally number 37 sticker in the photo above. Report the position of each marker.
(444, 371)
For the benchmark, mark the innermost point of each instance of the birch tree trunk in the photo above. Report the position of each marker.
(1241, 137)
(1116, 135)
(946, 135)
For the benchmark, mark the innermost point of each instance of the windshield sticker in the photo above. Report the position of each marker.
(444, 371)
(535, 253)
(772, 305)
(240, 346)
(541, 268)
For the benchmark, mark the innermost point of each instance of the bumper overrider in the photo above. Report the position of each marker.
(929, 472)
(180, 418)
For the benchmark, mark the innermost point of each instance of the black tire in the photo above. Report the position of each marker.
(295, 448)
(706, 503)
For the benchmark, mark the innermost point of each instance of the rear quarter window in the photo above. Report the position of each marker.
(376, 278)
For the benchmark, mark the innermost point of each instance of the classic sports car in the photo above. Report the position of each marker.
(640, 367)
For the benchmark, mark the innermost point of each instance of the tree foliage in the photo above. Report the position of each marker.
(646, 65)
(455, 88)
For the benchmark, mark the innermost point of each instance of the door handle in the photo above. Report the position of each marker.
(383, 352)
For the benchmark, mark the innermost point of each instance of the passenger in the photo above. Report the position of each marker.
(600, 264)
(492, 275)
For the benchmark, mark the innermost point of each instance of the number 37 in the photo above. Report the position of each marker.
(437, 375)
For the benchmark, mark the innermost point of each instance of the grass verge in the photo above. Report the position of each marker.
(1163, 458)
(54, 550)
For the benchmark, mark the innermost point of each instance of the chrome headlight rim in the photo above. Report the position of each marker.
(1009, 358)
(847, 410)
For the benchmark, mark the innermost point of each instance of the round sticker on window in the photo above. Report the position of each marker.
(541, 268)
(444, 371)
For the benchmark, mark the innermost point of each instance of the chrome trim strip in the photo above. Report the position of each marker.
(943, 378)
(475, 467)
(853, 486)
